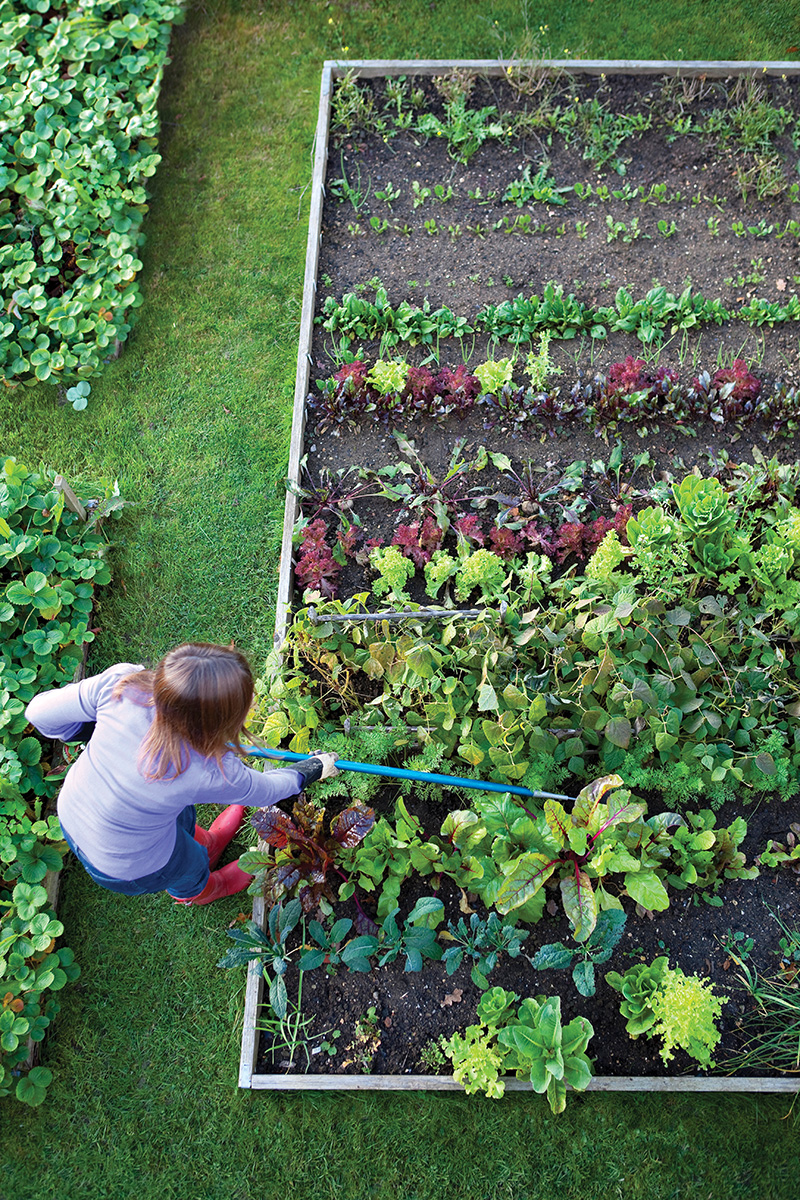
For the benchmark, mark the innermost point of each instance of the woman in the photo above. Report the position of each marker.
(161, 744)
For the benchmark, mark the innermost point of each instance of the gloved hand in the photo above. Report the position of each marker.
(329, 768)
(319, 766)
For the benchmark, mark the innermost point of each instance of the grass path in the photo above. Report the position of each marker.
(194, 420)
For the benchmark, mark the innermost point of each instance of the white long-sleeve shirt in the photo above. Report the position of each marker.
(123, 823)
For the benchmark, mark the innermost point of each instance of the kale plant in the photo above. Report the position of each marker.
(597, 949)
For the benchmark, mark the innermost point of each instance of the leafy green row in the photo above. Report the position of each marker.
(651, 318)
(50, 563)
(695, 698)
(79, 125)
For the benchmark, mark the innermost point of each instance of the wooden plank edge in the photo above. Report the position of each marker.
(446, 1083)
(255, 980)
(369, 68)
(252, 1002)
(304, 350)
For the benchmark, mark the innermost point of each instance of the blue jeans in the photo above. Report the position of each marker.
(184, 875)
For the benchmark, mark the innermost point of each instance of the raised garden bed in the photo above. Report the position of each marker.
(665, 273)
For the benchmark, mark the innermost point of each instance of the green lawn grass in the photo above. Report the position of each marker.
(194, 419)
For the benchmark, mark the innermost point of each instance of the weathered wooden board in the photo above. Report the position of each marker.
(445, 1083)
(368, 69)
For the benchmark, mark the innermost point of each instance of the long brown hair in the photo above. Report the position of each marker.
(201, 694)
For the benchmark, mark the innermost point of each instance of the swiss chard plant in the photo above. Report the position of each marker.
(305, 856)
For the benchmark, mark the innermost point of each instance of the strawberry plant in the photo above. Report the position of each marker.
(51, 560)
(80, 123)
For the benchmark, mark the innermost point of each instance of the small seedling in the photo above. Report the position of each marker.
(738, 944)
(366, 1042)
(390, 193)
(666, 229)
(431, 228)
(328, 1047)
(421, 194)
(432, 1057)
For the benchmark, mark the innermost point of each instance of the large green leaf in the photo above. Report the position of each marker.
(556, 1095)
(584, 810)
(646, 889)
(423, 660)
(526, 876)
(559, 823)
(583, 974)
(579, 903)
(552, 957)
(619, 731)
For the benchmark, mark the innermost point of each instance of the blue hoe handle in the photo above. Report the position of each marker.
(400, 773)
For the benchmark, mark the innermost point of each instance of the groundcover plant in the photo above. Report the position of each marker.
(51, 561)
(79, 122)
(549, 538)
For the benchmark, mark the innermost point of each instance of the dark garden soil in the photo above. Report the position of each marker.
(413, 1009)
(466, 270)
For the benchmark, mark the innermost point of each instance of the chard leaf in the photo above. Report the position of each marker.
(579, 904)
(352, 825)
(585, 807)
(646, 889)
(428, 910)
(557, 819)
(524, 879)
(459, 827)
(274, 827)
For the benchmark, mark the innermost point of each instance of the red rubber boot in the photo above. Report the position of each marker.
(220, 833)
(226, 882)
